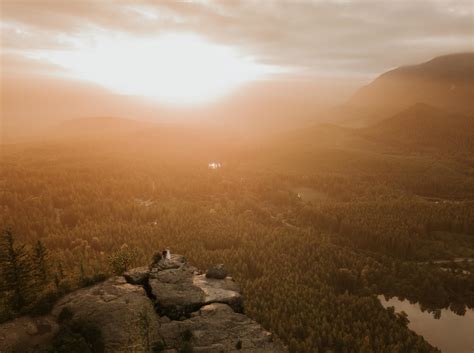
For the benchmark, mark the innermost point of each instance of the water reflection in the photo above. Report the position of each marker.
(448, 331)
(214, 165)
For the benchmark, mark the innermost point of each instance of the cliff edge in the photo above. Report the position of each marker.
(169, 307)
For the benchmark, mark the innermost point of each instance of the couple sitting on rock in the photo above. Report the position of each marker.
(166, 254)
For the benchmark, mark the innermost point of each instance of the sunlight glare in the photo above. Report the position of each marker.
(175, 68)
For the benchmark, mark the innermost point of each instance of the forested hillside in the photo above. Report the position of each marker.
(311, 267)
(422, 128)
(445, 82)
(236, 176)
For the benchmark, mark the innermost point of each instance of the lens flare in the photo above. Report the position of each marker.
(175, 68)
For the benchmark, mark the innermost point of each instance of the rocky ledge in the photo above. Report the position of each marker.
(167, 307)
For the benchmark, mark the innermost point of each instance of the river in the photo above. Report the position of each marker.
(451, 333)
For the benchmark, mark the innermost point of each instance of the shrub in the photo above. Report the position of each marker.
(121, 260)
(158, 347)
(65, 286)
(78, 337)
(187, 335)
(44, 303)
(238, 345)
(186, 348)
(65, 315)
(156, 257)
(6, 314)
(68, 341)
(91, 280)
(91, 334)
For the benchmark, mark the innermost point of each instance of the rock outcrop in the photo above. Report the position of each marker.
(20, 334)
(218, 272)
(217, 328)
(118, 308)
(169, 307)
(180, 289)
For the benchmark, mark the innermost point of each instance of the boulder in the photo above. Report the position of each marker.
(137, 275)
(119, 309)
(218, 272)
(180, 291)
(176, 261)
(25, 333)
(218, 328)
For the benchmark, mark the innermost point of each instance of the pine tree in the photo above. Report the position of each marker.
(40, 261)
(82, 273)
(15, 269)
(60, 270)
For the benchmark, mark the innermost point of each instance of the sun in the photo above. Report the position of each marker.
(174, 68)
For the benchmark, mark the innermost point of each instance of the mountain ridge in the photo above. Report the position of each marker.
(445, 82)
(422, 126)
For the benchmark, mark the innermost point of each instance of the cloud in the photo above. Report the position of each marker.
(319, 38)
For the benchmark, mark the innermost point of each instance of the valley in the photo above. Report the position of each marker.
(318, 223)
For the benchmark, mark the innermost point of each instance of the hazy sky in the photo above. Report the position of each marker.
(319, 37)
(67, 59)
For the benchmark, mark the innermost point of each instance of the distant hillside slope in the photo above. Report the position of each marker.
(99, 127)
(421, 143)
(428, 128)
(445, 82)
(174, 142)
(420, 127)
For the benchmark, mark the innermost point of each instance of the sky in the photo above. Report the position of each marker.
(196, 51)
(317, 37)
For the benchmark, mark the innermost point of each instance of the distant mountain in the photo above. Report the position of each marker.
(424, 127)
(32, 105)
(100, 127)
(179, 141)
(416, 139)
(445, 82)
